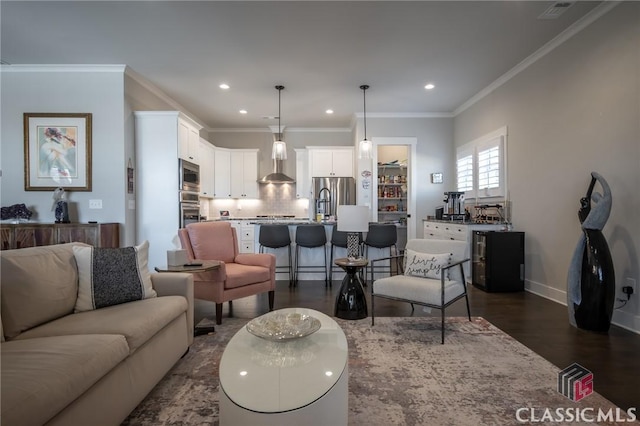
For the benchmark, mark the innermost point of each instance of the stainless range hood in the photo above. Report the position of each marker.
(277, 176)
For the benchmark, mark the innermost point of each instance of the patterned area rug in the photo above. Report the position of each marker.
(399, 374)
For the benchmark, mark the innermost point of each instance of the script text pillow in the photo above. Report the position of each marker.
(110, 276)
(425, 265)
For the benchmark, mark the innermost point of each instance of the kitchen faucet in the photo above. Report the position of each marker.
(324, 202)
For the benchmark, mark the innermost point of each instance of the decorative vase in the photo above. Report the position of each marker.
(62, 212)
(591, 279)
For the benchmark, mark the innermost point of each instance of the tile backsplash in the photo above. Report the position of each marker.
(274, 199)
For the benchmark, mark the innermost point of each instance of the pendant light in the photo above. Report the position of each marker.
(279, 150)
(278, 153)
(365, 148)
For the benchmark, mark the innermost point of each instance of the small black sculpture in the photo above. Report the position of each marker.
(591, 280)
(60, 206)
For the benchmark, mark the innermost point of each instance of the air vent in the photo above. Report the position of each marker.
(556, 9)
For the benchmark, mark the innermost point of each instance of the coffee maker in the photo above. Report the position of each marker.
(453, 206)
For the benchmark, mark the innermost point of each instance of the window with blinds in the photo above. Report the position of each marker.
(481, 166)
(464, 167)
(489, 168)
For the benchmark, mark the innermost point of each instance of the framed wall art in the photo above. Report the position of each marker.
(57, 151)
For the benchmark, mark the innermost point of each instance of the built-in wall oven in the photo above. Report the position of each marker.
(189, 192)
(189, 208)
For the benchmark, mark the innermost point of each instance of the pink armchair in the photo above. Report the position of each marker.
(240, 274)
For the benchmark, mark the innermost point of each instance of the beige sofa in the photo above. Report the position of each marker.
(93, 367)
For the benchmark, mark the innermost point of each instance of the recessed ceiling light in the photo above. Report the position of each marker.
(224, 86)
(243, 111)
(429, 86)
(329, 111)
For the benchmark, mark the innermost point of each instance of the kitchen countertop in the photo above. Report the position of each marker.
(290, 221)
(274, 221)
(462, 222)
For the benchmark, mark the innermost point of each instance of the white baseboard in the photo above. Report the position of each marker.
(542, 290)
(620, 318)
(626, 320)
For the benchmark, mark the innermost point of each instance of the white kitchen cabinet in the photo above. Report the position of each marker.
(244, 173)
(435, 230)
(331, 162)
(245, 232)
(188, 141)
(303, 185)
(222, 173)
(455, 231)
(207, 170)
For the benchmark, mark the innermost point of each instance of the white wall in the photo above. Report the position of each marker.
(98, 90)
(158, 215)
(129, 159)
(574, 111)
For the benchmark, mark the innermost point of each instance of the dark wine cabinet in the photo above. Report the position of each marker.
(498, 261)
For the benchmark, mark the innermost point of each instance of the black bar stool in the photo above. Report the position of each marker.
(339, 239)
(382, 236)
(310, 236)
(275, 237)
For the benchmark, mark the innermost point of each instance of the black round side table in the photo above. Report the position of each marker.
(351, 303)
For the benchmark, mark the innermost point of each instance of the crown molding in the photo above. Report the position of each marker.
(319, 129)
(156, 113)
(561, 38)
(176, 114)
(148, 85)
(405, 115)
(237, 130)
(118, 68)
(289, 130)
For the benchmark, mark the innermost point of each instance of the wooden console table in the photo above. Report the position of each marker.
(23, 235)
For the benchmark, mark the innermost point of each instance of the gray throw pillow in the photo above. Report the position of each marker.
(111, 276)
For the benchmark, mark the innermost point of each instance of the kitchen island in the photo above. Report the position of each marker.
(307, 256)
(248, 230)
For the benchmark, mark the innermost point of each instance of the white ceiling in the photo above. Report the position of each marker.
(321, 51)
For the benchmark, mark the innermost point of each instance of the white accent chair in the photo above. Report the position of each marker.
(434, 293)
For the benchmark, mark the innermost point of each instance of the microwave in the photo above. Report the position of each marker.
(189, 176)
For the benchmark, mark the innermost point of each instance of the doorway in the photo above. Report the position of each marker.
(395, 193)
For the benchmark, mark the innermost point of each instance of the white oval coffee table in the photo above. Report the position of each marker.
(294, 382)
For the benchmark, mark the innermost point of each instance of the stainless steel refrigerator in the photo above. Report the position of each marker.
(330, 192)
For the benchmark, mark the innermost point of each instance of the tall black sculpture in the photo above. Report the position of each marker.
(591, 279)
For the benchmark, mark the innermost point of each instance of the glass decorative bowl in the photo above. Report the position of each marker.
(278, 326)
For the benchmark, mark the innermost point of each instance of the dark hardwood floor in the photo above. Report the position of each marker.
(538, 323)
